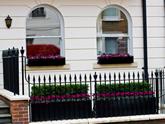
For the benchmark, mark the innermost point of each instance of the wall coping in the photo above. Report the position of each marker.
(107, 120)
(11, 97)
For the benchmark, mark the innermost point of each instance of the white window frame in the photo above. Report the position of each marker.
(61, 36)
(101, 36)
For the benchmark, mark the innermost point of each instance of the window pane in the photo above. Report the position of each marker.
(111, 13)
(119, 26)
(39, 12)
(44, 26)
(111, 45)
(122, 45)
(43, 47)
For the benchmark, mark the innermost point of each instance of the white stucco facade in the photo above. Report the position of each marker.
(80, 31)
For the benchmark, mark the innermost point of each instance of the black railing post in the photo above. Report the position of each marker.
(161, 88)
(95, 93)
(157, 90)
(22, 62)
(95, 80)
(146, 76)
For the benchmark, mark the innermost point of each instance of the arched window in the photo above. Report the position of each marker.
(45, 36)
(114, 33)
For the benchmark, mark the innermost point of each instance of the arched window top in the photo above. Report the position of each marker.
(44, 21)
(114, 31)
(45, 33)
(118, 18)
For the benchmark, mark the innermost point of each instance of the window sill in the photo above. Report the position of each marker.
(104, 66)
(39, 68)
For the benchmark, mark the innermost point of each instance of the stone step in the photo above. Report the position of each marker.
(2, 103)
(5, 115)
(4, 108)
(5, 118)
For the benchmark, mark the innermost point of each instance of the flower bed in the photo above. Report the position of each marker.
(60, 102)
(124, 99)
(43, 55)
(115, 58)
(46, 60)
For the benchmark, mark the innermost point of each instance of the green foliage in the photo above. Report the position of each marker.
(123, 87)
(45, 90)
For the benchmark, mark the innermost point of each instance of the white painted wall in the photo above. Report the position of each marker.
(80, 31)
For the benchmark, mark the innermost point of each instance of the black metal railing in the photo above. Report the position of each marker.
(57, 97)
(11, 70)
(97, 95)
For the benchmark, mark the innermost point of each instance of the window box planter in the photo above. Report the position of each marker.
(46, 60)
(115, 59)
(60, 102)
(125, 106)
(58, 110)
(124, 99)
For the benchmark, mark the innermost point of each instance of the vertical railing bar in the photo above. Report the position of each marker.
(152, 88)
(30, 108)
(22, 53)
(60, 81)
(49, 100)
(119, 86)
(140, 102)
(125, 101)
(134, 97)
(54, 100)
(163, 86)
(143, 80)
(116, 101)
(109, 86)
(80, 99)
(99, 93)
(90, 92)
(34, 95)
(95, 92)
(39, 81)
(157, 90)
(70, 83)
(65, 92)
(45, 112)
(160, 90)
(75, 108)
(12, 71)
(129, 84)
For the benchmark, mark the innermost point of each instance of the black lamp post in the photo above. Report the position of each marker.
(8, 21)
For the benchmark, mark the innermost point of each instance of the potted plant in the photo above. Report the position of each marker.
(60, 102)
(134, 98)
(115, 58)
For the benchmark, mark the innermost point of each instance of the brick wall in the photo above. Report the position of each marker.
(19, 112)
(18, 107)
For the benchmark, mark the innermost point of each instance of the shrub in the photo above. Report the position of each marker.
(59, 92)
(59, 89)
(123, 87)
